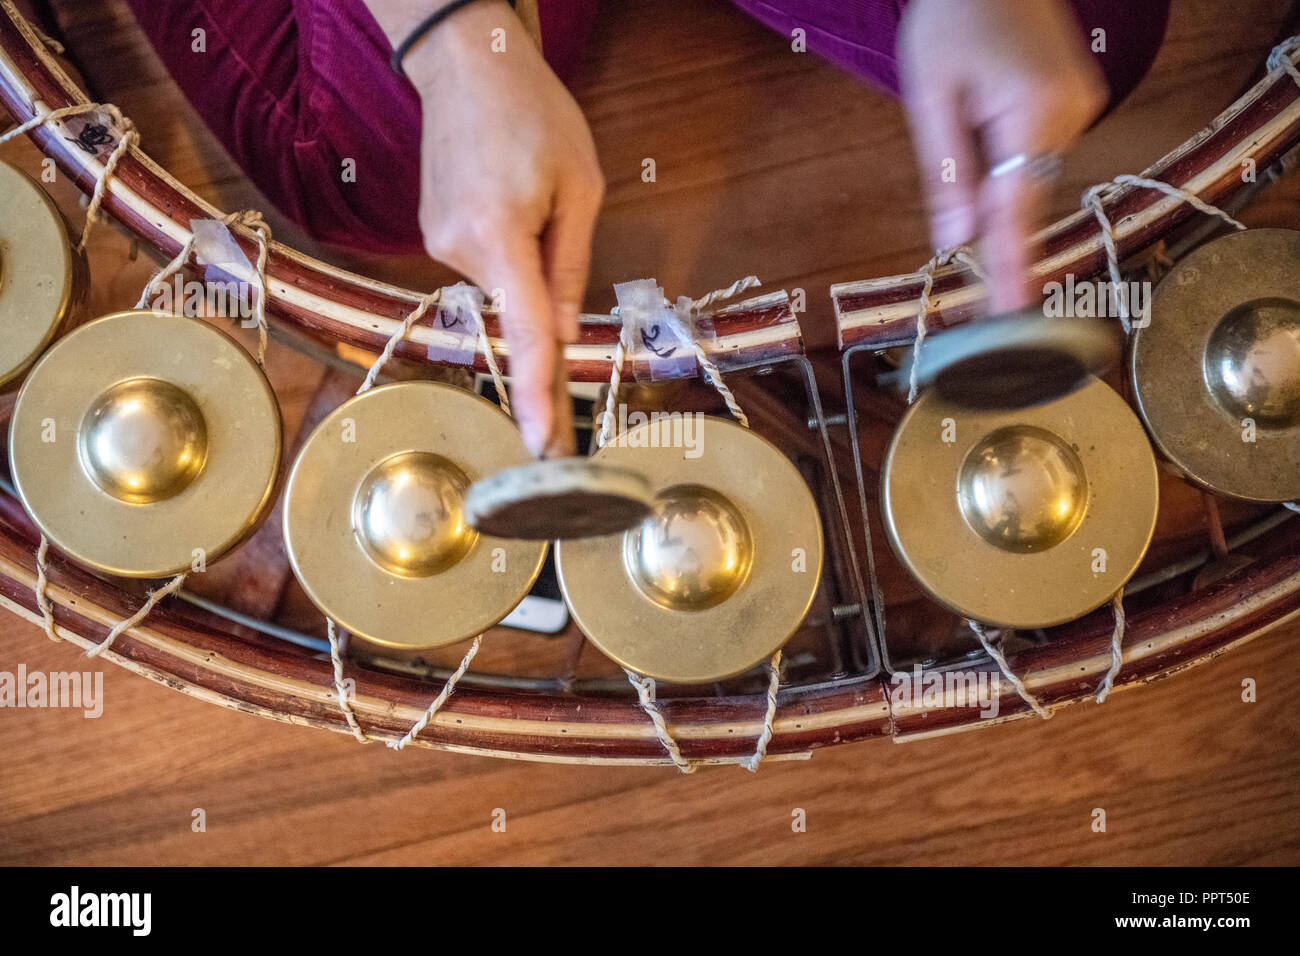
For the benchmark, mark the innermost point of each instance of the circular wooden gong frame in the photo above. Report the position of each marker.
(205, 656)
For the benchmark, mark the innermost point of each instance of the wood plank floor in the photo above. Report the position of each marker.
(768, 163)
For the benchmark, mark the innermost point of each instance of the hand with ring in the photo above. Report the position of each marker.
(996, 91)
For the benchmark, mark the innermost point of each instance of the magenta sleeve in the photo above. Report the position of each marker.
(301, 94)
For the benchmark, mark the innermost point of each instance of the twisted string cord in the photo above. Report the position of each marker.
(166, 272)
(1000, 659)
(489, 355)
(710, 369)
(252, 220)
(961, 253)
(645, 692)
(51, 44)
(426, 303)
(607, 422)
(625, 345)
(129, 138)
(43, 599)
(1281, 57)
(1116, 649)
(121, 627)
(138, 617)
(344, 701)
(1092, 201)
(966, 256)
(718, 295)
(42, 116)
(773, 685)
(447, 690)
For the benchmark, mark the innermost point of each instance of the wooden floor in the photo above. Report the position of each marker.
(768, 163)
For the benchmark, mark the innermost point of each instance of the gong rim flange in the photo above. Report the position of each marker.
(472, 584)
(1002, 573)
(39, 274)
(217, 506)
(752, 611)
(1211, 306)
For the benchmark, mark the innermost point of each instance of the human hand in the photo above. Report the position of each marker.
(985, 81)
(511, 188)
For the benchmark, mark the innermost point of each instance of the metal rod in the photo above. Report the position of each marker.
(1217, 540)
(877, 595)
(810, 383)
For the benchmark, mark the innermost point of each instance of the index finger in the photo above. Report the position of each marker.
(528, 321)
(1011, 208)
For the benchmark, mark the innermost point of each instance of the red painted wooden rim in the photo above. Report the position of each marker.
(204, 656)
(329, 303)
(1260, 128)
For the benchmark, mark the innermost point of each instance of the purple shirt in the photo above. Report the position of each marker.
(295, 87)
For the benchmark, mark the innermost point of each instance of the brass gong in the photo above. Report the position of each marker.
(42, 279)
(145, 444)
(1024, 518)
(374, 516)
(719, 575)
(1216, 373)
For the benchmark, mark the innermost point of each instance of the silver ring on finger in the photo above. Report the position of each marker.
(1042, 168)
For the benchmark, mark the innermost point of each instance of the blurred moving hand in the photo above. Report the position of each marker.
(983, 82)
(512, 185)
